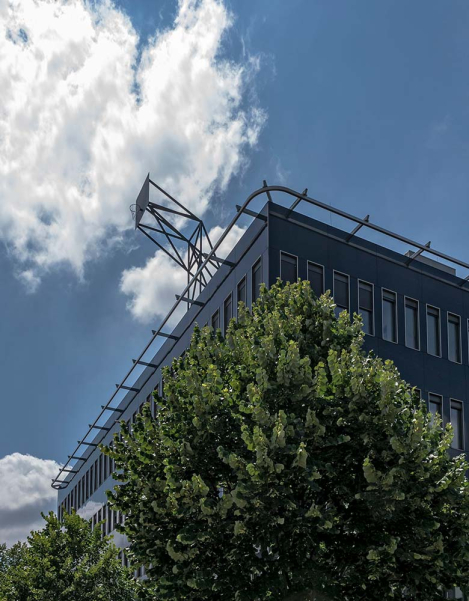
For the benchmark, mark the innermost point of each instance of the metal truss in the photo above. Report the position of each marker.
(169, 222)
(198, 269)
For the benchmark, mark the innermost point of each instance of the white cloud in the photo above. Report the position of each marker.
(151, 288)
(82, 120)
(25, 491)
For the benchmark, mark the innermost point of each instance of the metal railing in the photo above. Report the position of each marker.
(76, 456)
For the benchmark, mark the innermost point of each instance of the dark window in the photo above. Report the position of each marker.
(454, 338)
(111, 460)
(91, 480)
(457, 423)
(227, 313)
(365, 306)
(288, 268)
(100, 481)
(242, 291)
(434, 404)
(316, 278)
(87, 486)
(412, 338)
(256, 280)
(216, 320)
(433, 331)
(341, 292)
(389, 316)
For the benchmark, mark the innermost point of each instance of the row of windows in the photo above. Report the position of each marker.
(102, 468)
(89, 483)
(241, 296)
(389, 329)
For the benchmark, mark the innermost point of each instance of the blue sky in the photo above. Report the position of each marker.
(366, 104)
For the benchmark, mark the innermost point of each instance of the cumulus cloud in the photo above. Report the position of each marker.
(151, 288)
(84, 116)
(25, 491)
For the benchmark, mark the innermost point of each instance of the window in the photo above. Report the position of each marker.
(216, 320)
(435, 402)
(341, 292)
(433, 331)
(412, 333)
(457, 423)
(100, 481)
(256, 279)
(288, 268)
(91, 480)
(316, 278)
(389, 316)
(96, 474)
(227, 313)
(454, 338)
(365, 306)
(242, 291)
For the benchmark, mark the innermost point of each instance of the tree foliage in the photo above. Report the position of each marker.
(283, 458)
(65, 562)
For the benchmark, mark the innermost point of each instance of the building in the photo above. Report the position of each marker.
(415, 311)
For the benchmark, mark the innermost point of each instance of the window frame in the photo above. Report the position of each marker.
(283, 252)
(419, 337)
(451, 401)
(225, 325)
(448, 313)
(396, 313)
(439, 329)
(211, 320)
(334, 271)
(238, 300)
(323, 275)
(373, 303)
(258, 260)
(440, 396)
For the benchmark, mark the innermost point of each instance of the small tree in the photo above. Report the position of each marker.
(65, 562)
(284, 459)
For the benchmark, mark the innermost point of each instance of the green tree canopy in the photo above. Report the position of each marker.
(284, 459)
(65, 562)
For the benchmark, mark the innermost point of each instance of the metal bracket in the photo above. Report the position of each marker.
(134, 361)
(220, 261)
(190, 300)
(116, 409)
(251, 213)
(417, 253)
(96, 427)
(296, 203)
(131, 388)
(357, 228)
(164, 335)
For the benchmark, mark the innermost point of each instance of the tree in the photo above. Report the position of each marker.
(65, 562)
(285, 459)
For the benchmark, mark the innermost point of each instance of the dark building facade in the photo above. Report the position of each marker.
(415, 312)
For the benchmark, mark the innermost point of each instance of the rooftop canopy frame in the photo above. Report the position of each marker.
(70, 470)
